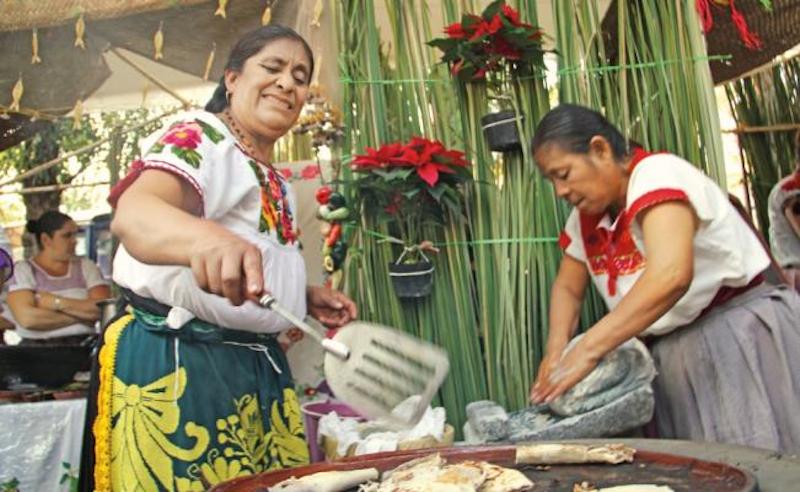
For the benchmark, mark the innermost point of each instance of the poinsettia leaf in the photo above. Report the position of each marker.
(437, 191)
(411, 193)
(492, 9)
(399, 173)
(468, 22)
(444, 44)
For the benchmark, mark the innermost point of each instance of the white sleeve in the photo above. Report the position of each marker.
(666, 177)
(92, 274)
(23, 277)
(570, 240)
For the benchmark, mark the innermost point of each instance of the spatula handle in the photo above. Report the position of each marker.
(336, 348)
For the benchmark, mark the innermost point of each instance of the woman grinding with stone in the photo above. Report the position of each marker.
(677, 265)
(194, 388)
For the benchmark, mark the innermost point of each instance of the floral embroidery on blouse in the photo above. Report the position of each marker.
(184, 137)
(276, 215)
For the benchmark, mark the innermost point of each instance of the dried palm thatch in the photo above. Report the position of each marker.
(16, 15)
(778, 29)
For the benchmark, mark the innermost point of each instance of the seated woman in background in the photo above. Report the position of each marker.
(784, 222)
(6, 271)
(53, 295)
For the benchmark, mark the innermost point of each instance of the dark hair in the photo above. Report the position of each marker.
(572, 127)
(250, 44)
(48, 223)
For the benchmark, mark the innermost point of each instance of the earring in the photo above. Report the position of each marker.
(228, 96)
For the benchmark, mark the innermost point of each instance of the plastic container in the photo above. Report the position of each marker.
(312, 412)
(411, 280)
(500, 130)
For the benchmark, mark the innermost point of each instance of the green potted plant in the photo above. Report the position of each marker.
(485, 48)
(406, 186)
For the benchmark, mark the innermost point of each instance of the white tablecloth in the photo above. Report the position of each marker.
(36, 438)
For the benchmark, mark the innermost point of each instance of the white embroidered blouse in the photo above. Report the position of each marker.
(247, 197)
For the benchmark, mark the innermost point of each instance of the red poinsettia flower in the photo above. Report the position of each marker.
(377, 158)
(503, 48)
(511, 14)
(487, 28)
(286, 172)
(407, 157)
(481, 44)
(454, 158)
(183, 135)
(455, 31)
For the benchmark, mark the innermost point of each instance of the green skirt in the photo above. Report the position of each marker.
(184, 409)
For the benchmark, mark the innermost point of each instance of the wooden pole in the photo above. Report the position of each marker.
(59, 160)
(783, 127)
(185, 102)
(55, 187)
(745, 178)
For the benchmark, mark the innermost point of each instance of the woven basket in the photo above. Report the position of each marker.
(329, 444)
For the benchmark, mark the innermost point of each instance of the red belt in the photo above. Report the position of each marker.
(725, 294)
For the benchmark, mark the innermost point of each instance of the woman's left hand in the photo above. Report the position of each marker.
(569, 371)
(331, 307)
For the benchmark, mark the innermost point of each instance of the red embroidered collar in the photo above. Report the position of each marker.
(612, 251)
(793, 183)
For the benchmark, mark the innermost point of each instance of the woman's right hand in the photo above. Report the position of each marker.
(222, 262)
(227, 265)
(549, 362)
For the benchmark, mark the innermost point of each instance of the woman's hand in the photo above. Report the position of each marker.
(227, 265)
(564, 373)
(83, 310)
(549, 362)
(331, 307)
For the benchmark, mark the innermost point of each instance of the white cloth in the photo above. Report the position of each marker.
(36, 440)
(783, 240)
(726, 251)
(198, 148)
(74, 285)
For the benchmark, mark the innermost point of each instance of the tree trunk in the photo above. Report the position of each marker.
(39, 150)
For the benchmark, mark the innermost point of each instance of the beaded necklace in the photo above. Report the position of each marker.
(275, 211)
(241, 137)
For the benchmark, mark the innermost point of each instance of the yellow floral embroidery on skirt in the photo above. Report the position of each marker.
(141, 454)
(246, 448)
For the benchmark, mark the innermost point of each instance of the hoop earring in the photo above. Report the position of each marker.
(228, 97)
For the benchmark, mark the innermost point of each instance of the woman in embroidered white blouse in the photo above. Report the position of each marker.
(677, 265)
(193, 385)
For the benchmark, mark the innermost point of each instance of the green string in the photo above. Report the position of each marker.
(561, 72)
(510, 240)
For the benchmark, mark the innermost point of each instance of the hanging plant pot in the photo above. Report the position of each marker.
(411, 280)
(500, 130)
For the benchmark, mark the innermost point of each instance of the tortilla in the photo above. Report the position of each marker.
(430, 475)
(330, 481)
(500, 479)
(561, 454)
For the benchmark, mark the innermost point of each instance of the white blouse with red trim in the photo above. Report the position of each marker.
(246, 197)
(726, 251)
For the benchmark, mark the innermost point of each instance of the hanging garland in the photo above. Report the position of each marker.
(750, 39)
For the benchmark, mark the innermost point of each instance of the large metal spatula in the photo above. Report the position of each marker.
(373, 368)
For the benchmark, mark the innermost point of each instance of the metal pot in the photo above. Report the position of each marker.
(108, 310)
